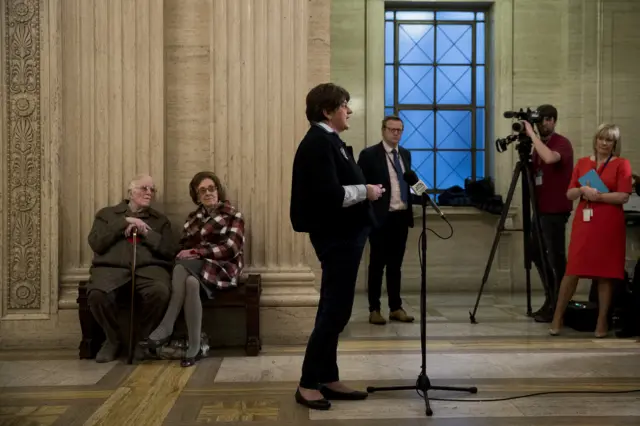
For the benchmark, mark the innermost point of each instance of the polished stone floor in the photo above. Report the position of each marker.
(506, 355)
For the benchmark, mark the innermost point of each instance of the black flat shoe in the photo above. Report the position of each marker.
(343, 396)
(318, 404)
(155, 344)
(188, 362)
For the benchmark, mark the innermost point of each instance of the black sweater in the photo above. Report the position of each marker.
(322, 165)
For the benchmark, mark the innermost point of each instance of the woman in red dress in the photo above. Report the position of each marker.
(598, 234)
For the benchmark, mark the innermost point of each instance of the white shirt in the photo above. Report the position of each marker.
(396, 202)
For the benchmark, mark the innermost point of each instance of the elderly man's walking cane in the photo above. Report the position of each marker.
(133, 296)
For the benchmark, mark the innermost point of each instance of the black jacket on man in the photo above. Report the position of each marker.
(373, 162)
(322, 165)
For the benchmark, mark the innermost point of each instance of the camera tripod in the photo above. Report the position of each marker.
(524, 169)
(423, 384)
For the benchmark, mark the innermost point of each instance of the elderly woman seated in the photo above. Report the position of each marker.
(211, 259)
(112, 243)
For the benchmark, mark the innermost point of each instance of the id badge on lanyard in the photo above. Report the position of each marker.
(587, 212)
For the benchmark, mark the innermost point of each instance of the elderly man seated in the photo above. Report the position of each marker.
(111, 239)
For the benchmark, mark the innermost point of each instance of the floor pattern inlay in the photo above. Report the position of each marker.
(506, 355)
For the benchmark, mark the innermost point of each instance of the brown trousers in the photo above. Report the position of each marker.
(152, 298)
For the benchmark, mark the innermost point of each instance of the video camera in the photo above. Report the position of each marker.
(532, 116)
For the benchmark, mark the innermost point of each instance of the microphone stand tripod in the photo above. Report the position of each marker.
(423, 384)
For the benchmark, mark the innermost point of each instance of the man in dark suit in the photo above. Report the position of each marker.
(385, 164)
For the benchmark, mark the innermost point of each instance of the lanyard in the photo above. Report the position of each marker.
(390, 158)
(604, 165)
(600, 173)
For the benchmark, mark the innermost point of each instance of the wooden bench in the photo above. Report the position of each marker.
(246, 295)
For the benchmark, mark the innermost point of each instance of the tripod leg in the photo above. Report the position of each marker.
(527, 198)
(494, 247)
(428, 410)
(548, 272)
(423, 385)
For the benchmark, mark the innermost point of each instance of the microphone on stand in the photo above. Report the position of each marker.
(420, 188)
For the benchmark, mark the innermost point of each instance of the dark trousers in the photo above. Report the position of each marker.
(339, 256)
(152, 298)
(553, 228)
(387, 246)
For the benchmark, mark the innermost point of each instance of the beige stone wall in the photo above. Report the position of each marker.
(95, 92)
(578, 55)
(99, 91)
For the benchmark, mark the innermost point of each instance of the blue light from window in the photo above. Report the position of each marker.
(480, 43)
(480, 128)
(414, 16)
(388, 85)
(389, 39)
(480, 86)
(415, 84)
(455, 16)
(418, 129)
(415, 43)
(452, 168)
(435, 68)
(453, 129)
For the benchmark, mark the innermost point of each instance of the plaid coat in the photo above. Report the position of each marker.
(218, 238)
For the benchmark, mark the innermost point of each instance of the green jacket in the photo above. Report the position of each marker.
(113, 254)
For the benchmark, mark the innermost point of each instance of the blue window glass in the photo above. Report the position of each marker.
(452, 168)
(455, 16)
(418, 129)
(415, 44)
(388, 85)
(454, 44)
(422, 163)
(480, 86)
(453, 130)
(415, 84)
(480, 165)
(414, 16)
(480, 43)
(389, 41)
(480, 134)
(437, 87)
(453, 85)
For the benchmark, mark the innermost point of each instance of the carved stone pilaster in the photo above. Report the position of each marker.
(23, 148)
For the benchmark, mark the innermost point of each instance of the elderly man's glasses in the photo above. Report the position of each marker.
(203, 190)
(146, 188)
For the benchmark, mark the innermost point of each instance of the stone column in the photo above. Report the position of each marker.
(29, 141)
(237, 77)
(113, 116)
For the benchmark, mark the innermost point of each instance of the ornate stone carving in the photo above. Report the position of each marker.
(23, 153)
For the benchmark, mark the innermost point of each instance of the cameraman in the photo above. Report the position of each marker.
(552, 167)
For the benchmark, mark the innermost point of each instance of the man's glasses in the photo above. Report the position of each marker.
(394, 130)
(145, 188)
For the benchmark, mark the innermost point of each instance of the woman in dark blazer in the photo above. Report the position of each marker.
(330, 201)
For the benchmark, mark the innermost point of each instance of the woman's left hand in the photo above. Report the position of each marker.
(187, 254)
(589, 193)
